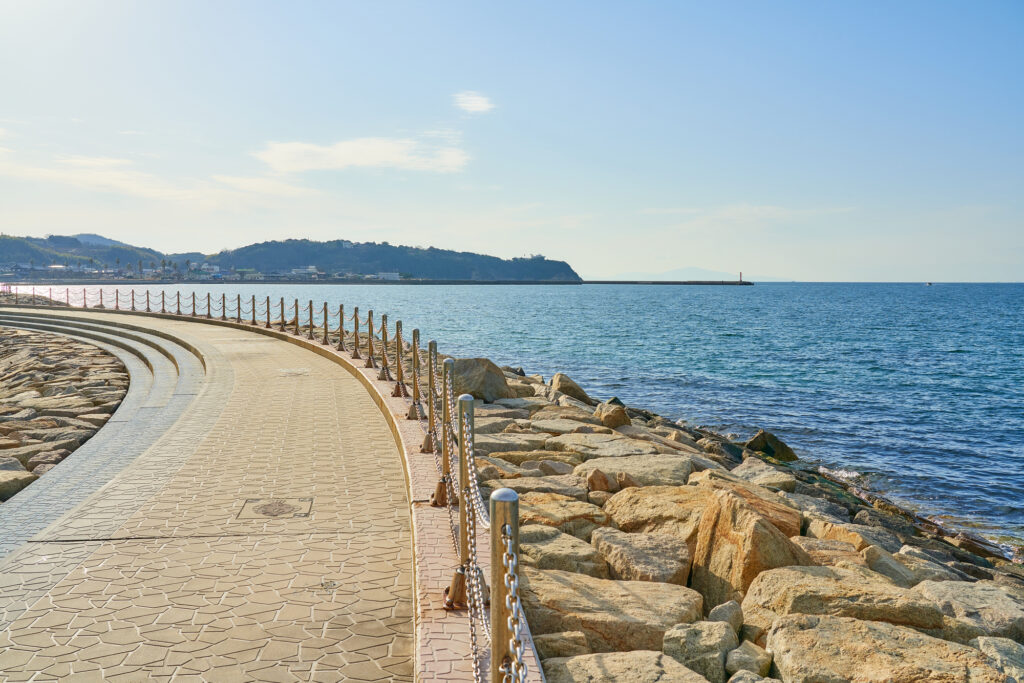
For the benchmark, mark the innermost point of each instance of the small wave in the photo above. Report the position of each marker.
(849, 476)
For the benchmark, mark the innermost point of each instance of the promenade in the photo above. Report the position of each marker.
(243, 517)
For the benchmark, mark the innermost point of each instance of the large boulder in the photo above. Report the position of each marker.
(976, 609)
(665, 445)
(883, 562)
(828, 553)
(1004, 654)
(614, 615)
(562, 382)
(481, 378)
(556, 426)
(702, 647)
(645, 470)
(769, 444)
(522, 458)
(759, 472)
(567, 644)
(859, 535)
(600, 445)
(611, 415)
(769, 504)
(641, 666)
(661, 558)
(846, 591)
(557, 412)
(561, 512)
(925, 569)
(748, 657)
(566, 485)
(674, 510)
(12, 481)
(814, 649)
(545, 547)
(735, 543)
(486, 444)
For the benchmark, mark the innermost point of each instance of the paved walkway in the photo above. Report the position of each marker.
(263, 535)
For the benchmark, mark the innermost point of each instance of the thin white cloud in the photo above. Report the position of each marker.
(258, 185)
(473, 102)
(401, 153)
(3, 133)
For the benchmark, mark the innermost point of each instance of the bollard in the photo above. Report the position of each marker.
(504, 547)
(67, 297)
(179, 302)
(133, 299)
(238, 309)
(327, 339)
(400, 389)
(385, 367)
(85, 301)
(355, 334)
(414, 409)
(456, 593)
(101, 297)
(253, 307)
(268, 312)
(208, 309)
(370, 361)
(282, 314)
(440, 497)
(310, 332)
(193, 304)
(50, 302)
(223, 306)
(297, 332)
(147, 302)
(117, 298)
(341, 327)
(429, 444)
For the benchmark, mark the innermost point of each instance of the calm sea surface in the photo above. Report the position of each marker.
(919, 389)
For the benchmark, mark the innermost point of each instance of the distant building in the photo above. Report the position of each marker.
(389, 276)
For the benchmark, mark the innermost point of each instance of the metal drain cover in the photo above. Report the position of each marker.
(275, 508)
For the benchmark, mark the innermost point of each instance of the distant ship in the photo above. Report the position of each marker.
(927, 284)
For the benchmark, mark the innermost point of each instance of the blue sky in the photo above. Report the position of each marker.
(806, 140)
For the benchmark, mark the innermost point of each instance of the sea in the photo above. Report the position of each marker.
(913, 391)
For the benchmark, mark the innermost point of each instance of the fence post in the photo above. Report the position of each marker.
(385, 366)
(147, 302)
(268, 312)
(414, 363)
(429, 441)
(370, 361)
(117, 298)
(101, 297)
(440, 497)
(282, 314)
(309, 333)
(85, 300)
(341, 327)
(327, 339)
(178, 297)
(504, 548)
(253, 302)
(223, 306)
(238, 309)
(209, 313)
(133, 298)
(67, 297)
(193, 304)
(400, 389)
(456, 593)
(355, 334)
(50, 302)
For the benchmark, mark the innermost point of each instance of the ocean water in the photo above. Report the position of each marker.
(916, 391)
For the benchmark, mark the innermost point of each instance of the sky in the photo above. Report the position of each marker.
(801, 140)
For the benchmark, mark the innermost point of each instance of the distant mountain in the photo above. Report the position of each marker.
(693, 273)
(331, 258)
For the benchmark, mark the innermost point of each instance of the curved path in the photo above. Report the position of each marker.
(242, 517)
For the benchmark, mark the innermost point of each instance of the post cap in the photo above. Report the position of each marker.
(466, 398)
(504, 496)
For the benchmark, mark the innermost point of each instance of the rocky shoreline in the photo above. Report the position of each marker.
(657, 551)
(55, 393)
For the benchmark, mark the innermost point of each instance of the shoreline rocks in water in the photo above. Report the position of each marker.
(55, 393)
(658, 551)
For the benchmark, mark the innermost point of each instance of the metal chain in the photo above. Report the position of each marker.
(515, 670)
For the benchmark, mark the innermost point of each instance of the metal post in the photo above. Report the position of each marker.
(85, 300)
(297, 317)
(400, 389)
(429, 444)
(67, 297)
(355, 334)
(385, 366)
(440, 497)
(193, 304)
(117, 298)
(253, 304)
(147, 302)
(370, 362)
(223, 306)
(456, 594)
(504, 528)
(50, 301)
(327, 339)
(238, 309)
(179, 302)
(208, 309)
(101, 297)
(268, 312)
(133, 298)
(310, 332)
(341, 327)
(282, 314)
(414, 363)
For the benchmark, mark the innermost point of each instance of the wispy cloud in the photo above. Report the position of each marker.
(3, 133)
(401, 153)
(473, 102)
(743, 214)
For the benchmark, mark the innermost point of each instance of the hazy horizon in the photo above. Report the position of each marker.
(799, 141)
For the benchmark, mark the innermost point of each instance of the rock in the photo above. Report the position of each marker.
(520, 389)
(769, 504)
(749, 677)
(498, 410)
(614, 615)
(564, 513)
(25, 453)
(599, 445)
(674, 510)
(611, 415)
(858, 535)
(491, 425)
(723, 449)
(545, 547)
(729, 612)
(769, 444)
(813, 649)
(521, 458)
(838, 591)
(884, 563)
(568, 401)
(557, 412)
(530, 403)
(828, 553)
(635, 667)
(820, 507)
(566, 485)
(761, 473)
(701, 647)
(561, 382)
(12, 481)
(486, 444)
(598, 498)
(555, 467)
(926, 570)
(40, 470)
(47, 458)
(11, 464)
(901, 526)
(481, 378)
(624, 480)
(645, 470)
(735, 543)
(664, 445)
(975, 609)
(1004, 654)
(567, 644)
(556, 427)
(598, 481)
(748, 657)
(659, 558)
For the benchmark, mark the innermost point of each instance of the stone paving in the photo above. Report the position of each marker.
(262, 533)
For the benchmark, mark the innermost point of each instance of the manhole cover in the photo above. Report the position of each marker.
(275, 508)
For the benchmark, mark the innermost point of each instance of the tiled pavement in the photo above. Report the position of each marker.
(264, 534)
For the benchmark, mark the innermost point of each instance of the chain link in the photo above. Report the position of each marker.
(515, 669)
